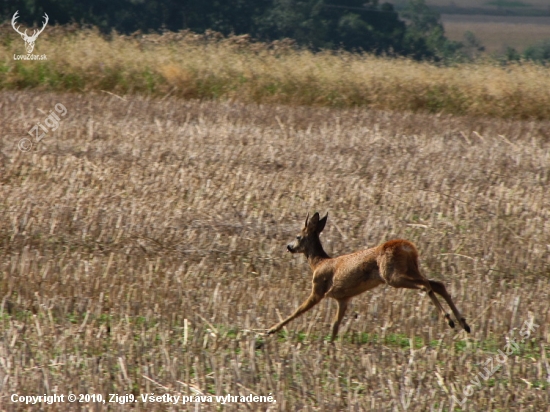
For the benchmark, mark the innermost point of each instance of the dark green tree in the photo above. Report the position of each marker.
(425, 37)
(351, 24)
(320, 24)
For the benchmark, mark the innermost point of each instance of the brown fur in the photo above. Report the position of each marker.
(394, 262)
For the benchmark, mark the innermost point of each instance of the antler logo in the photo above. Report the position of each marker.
(29, 40)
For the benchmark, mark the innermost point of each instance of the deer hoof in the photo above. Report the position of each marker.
(465, 325)
(451, 324)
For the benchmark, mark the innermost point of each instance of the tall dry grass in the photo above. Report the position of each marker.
(211, 67)
(142, 250)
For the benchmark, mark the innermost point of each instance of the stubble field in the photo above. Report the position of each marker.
(142, 249)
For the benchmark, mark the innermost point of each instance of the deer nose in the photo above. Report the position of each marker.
(289, 248)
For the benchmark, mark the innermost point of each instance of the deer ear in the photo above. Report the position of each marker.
(321, 224)
(312, 224)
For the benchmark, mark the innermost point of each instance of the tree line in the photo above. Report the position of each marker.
(356, 25)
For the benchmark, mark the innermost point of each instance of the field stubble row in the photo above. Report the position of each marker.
(143, 244)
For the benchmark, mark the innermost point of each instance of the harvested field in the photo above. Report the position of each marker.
(490, 4)
(143, 250)
(498, 32)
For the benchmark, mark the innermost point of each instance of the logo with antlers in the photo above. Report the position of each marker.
(29, 40)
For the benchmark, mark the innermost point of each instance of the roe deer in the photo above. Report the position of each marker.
(394, 263)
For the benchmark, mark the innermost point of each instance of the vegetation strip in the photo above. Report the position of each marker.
(211, 66)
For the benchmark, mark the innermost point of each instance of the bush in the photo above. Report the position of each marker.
(539, 52)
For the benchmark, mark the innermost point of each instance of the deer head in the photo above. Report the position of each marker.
(308, 238)
(29, 40)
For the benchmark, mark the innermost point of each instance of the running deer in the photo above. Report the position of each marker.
(394, 263)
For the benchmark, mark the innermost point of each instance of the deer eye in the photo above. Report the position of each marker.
(298, 237)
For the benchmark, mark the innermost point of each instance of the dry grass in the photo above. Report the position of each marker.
(142, 250)
(207, 67)
(498, 32)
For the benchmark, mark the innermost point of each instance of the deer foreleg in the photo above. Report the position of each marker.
(313, 299)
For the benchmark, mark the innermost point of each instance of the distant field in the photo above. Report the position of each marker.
(497, 6)
(497, 32)
(491, 3)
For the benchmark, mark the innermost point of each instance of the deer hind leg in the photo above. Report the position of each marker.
(425, 285)
(440, 289)
(342, 307)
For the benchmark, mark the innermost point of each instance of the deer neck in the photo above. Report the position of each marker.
(315, 253)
